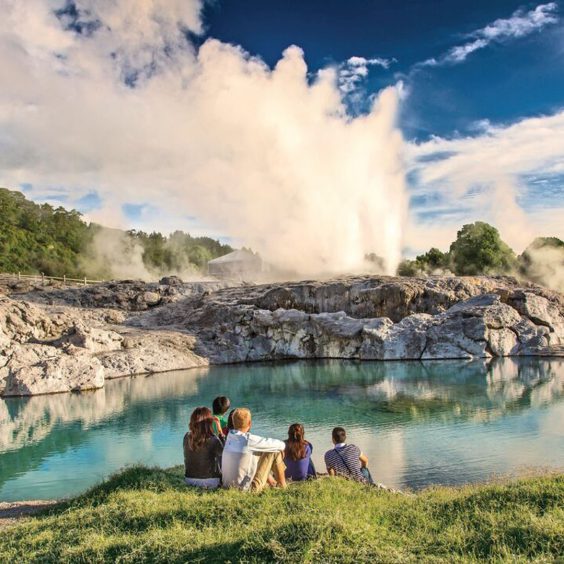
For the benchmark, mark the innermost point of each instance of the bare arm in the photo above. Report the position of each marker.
(363, 460)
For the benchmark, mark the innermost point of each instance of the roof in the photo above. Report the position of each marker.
(236, 256)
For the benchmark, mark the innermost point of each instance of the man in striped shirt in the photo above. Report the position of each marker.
(347, 460)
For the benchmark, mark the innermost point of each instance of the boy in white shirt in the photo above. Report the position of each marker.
(248, 459)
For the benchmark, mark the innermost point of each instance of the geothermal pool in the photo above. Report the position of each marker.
(441, 422)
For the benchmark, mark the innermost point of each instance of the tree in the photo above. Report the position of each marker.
(434, 259)
(39, 238)
(408, 268)
(478, 249)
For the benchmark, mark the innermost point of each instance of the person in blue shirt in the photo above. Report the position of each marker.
(297, 455)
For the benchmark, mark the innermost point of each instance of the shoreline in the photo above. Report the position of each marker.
(11, 512)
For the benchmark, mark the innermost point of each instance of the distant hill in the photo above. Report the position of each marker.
(38, 238)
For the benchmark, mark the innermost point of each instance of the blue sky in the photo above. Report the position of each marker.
(504, 82)
(199, 115)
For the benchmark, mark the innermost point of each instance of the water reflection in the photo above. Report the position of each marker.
(398, 412)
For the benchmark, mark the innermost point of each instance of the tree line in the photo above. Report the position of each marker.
(38, 238)
(479, 249)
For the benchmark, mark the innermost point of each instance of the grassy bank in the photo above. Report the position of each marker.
(149, 515)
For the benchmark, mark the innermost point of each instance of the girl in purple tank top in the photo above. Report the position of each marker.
(297, 456)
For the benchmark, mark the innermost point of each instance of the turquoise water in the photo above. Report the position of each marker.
(444, 422)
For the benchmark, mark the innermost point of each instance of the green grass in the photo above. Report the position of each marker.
(148, 515)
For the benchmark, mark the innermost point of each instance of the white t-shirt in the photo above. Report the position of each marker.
(240, 457)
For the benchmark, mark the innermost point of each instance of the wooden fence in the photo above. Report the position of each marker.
(45, 279)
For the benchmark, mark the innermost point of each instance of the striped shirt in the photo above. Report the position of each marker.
(344, 460)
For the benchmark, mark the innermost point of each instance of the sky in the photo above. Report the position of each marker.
(313, 131)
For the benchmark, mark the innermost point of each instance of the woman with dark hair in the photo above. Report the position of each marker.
(202, 451)
(297, 456)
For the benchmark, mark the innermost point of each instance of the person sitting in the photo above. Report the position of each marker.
(202, 451)
(297, 455)
(347, 460)
(230, 425)
(220, 406)
(248, 459)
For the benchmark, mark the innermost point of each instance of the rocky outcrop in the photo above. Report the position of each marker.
(125, 295)
(49, 349)
(378, 319)
(48, 346)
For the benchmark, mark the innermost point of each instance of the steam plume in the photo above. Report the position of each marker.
(266, 156)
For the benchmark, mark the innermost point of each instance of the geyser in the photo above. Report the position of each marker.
(268, 157)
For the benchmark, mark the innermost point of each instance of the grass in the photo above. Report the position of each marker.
(148, 515)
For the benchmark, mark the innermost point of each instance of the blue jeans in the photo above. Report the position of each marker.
(366, 473)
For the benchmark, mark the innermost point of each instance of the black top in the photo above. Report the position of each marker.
(203, 463)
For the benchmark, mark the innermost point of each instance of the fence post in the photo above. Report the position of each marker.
(85, 280)
(19, 276)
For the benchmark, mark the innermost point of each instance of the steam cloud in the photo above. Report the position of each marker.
(109, 95)
(267, 156)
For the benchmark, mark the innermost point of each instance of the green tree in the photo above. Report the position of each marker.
(39, 238)
(478, 249)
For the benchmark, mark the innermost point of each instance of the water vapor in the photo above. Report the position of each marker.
(266, 156)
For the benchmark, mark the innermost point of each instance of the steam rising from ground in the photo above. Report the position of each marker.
(266, 156)
(546, 267)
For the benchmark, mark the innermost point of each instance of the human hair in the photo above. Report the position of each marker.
(296, 444)
(339, 435)
(241, 418)
(230, 420)
(200, 427)
(220, 405)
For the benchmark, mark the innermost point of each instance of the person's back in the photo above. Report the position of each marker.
(220, 406)
(203, 463)
(346, 460)
(243, 453)
(297, 455)
(202, 451)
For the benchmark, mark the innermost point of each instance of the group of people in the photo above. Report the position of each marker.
(220, 450)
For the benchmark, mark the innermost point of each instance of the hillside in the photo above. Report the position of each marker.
(149, 515)
(40, 238)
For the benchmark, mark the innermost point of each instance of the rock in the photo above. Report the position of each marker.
(128, 295)
(175, 325)
(408, 338)
(151, 298)
(64, 373)
(502, 342)
(151, 352)
(92, 338)
(446, 338)
(538, 309)
(171, 281)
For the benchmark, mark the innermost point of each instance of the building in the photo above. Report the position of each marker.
(241, 265)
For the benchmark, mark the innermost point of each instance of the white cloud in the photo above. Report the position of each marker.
(355, 69)
(484, 174)
(520, 24)
(263, 155)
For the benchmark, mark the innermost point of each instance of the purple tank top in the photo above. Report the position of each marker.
(297, 470)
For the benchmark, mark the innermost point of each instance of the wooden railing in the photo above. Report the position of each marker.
(44, 279)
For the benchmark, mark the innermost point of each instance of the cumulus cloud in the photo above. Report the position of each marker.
(111, 96)
(520, 24)
(485, 175)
